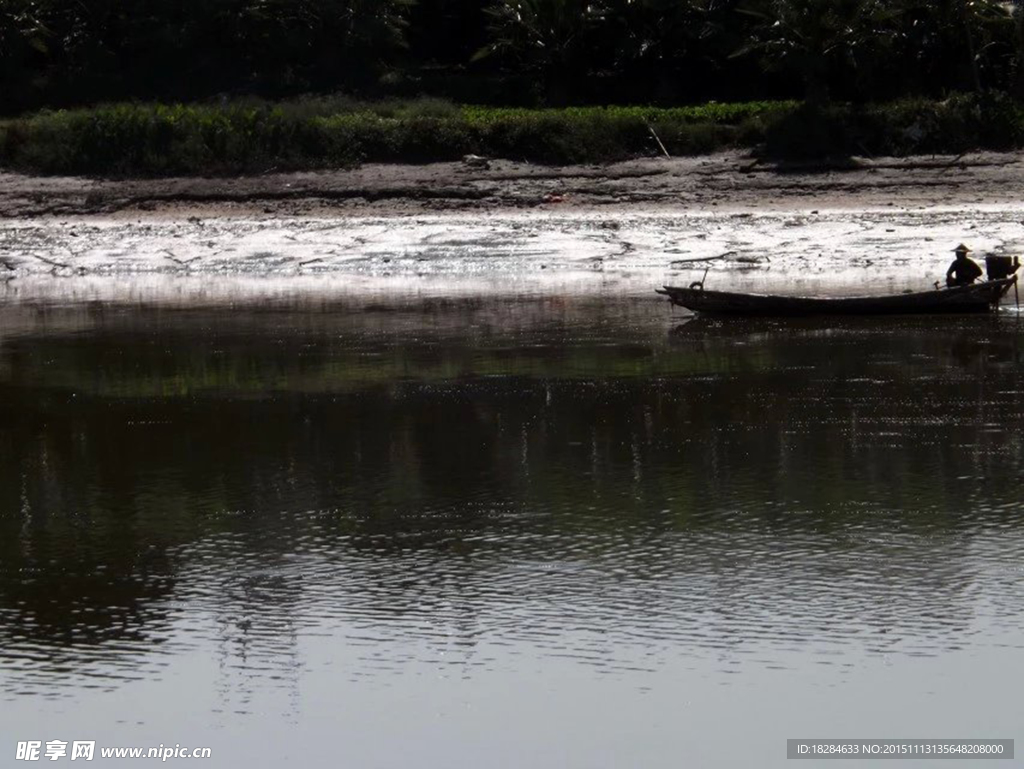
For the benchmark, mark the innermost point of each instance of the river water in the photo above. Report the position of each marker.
(556, 529)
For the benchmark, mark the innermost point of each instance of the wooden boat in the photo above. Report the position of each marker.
(976, 297)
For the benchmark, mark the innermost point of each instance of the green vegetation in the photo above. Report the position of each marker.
(235, 85)
(130, 139)
(154, 139)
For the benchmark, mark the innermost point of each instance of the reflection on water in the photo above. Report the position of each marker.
(287, 497)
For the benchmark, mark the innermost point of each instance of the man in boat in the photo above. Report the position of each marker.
(962, 271)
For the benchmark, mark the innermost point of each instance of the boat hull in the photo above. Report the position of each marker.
(976, 297)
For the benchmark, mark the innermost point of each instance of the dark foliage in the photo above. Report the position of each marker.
(60, 53)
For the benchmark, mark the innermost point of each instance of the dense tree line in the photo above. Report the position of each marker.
(63, 52)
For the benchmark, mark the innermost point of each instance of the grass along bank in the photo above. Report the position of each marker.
(252, 136)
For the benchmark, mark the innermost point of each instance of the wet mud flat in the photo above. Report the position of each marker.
(869, 226)
(838, 251)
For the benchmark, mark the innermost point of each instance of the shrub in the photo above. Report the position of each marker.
(252, 135)
(961, 123)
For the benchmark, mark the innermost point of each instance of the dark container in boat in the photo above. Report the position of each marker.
(999, 267)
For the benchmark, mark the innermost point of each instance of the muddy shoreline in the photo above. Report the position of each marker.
(731, 181)
(449, 230)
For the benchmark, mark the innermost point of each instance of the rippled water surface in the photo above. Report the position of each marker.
(514, 531)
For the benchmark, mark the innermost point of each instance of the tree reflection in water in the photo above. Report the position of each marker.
(566, 474)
